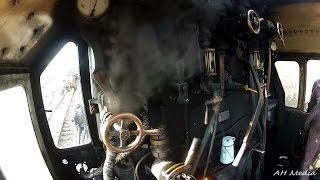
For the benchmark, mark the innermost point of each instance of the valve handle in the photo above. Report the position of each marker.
(116, 127)
(253, 21)
(280, 32)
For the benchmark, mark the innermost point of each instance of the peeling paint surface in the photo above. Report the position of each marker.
(22, 23)
(301, 24)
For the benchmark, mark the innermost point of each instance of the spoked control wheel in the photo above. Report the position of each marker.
(124, 132)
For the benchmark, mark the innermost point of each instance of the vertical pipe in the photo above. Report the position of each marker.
(108, 165)
(204, 142)
(269, 71)
(100, 77)
(192, 151)
(253, 96)
(212, 122)
(254, 118)
(221, 69)
(216, 119)
(265, 117)
(267, 93)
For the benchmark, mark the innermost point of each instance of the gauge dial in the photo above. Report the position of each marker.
(273, 46)
(92, 8)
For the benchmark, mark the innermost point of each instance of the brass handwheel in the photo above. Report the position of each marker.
(253, 21)
(117, 127)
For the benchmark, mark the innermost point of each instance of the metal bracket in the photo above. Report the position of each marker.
(93, 106)
(183, 93)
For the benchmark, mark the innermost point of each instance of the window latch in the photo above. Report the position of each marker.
(93, 106)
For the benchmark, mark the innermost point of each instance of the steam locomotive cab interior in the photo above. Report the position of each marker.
(163, 90)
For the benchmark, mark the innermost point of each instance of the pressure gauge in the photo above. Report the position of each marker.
(273, 46)
(92, 8)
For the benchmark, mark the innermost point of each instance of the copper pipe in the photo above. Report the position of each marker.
(192, 151)
(206, 116)
(214, 101)
(100, 77)
(108, 165)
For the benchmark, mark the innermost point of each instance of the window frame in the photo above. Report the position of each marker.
(8, 81)
(82, 94)
(83, 54)
(90, 153)
(302, 84)
(300, 76)
(306, 73)
(302, 60)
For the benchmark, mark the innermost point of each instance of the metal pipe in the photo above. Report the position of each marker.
(136, 174)
(254, 118)
(265, 117)
(208, 133)
(107, 169)
(246, 88)
(159, 167)
(222, 67)
(163, 167)
(100, 77)
(216, 118)
(108, 165)
(252, 84)
(95, 173)
(160, 150)
(204, 142)
(206, 112)
(192, 151)
(269, 71)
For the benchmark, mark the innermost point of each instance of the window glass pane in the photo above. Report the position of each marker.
(289, 75)
(20, 156)
(313, 73)
(91, 70)
(63, 100)
(92, 64)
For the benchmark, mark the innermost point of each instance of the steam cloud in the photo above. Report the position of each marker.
(143, 45)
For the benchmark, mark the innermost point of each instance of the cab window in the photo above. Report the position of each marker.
(289, 75)
(20, 155)
(313, 73)
(63, 99)
(92, 67)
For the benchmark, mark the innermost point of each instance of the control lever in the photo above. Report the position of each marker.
(259, 151)
(280, 32)
(246, 88)
(117, 127)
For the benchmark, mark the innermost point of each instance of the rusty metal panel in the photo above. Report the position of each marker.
(22, 24)
(301, 23)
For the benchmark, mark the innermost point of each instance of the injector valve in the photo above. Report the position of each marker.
(120, 136)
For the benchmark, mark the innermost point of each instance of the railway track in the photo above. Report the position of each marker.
(66, 122)
(67, 131)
